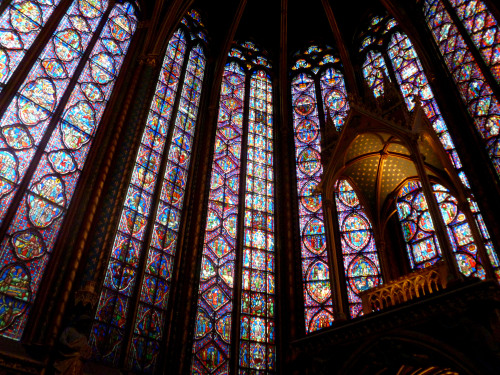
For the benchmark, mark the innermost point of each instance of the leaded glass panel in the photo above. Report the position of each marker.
(360, 257)
(34, 229)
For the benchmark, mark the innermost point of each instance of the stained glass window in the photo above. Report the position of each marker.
(311, 70)
(334, 95)
(257, 335)
(473, 86)
(374, 70)
(30, 114)
(417, 225)
(240, 89)
(414, 84)
(21, 23)
(418, 229)
(184, 59)
(215, 296)
(459, 233)
(483, 30)
(56, 148)
(361, 263)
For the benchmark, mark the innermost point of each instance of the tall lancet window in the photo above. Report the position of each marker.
(385, 38)
(318, 95)
(360, 257)
(141, 262)
(468, 38)
(240, 228)
(47, 130)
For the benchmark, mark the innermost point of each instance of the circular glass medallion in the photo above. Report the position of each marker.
(15, 288)
(92, 9)
(304, 105)
(102, 68)
(448, 211)
(362, 274)
(425, 222)
(17, 137)
(46, 202)
(80, 24)
(419, 202)
(314, 236)
(319, 290)
(92, 92)
(28, 245)
(62, 162)
(81, 116)
(321, 320)
(120, 28)
(409, 230)
(25, 16)
(336, 100)
(67, 45)
(36, 99)
(54, 69)
(8, 172)
(355, 230)
(309, 199)
(307, 131)
(309, 161)
(347, 194)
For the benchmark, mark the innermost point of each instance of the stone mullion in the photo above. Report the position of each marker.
(340, 300)
(4, 5)
(287, 314)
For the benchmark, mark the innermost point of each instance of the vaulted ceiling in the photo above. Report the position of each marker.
(261, 21)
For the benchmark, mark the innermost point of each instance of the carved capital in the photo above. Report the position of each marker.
(87, 295)
(150, 59)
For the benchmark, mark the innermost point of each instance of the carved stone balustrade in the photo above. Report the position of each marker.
(414, 285)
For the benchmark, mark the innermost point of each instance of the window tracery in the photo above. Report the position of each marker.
(246, 91)
(316, 73)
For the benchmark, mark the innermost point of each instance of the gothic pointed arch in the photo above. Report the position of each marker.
(319, 100)
(130, 315)
(237, 282)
